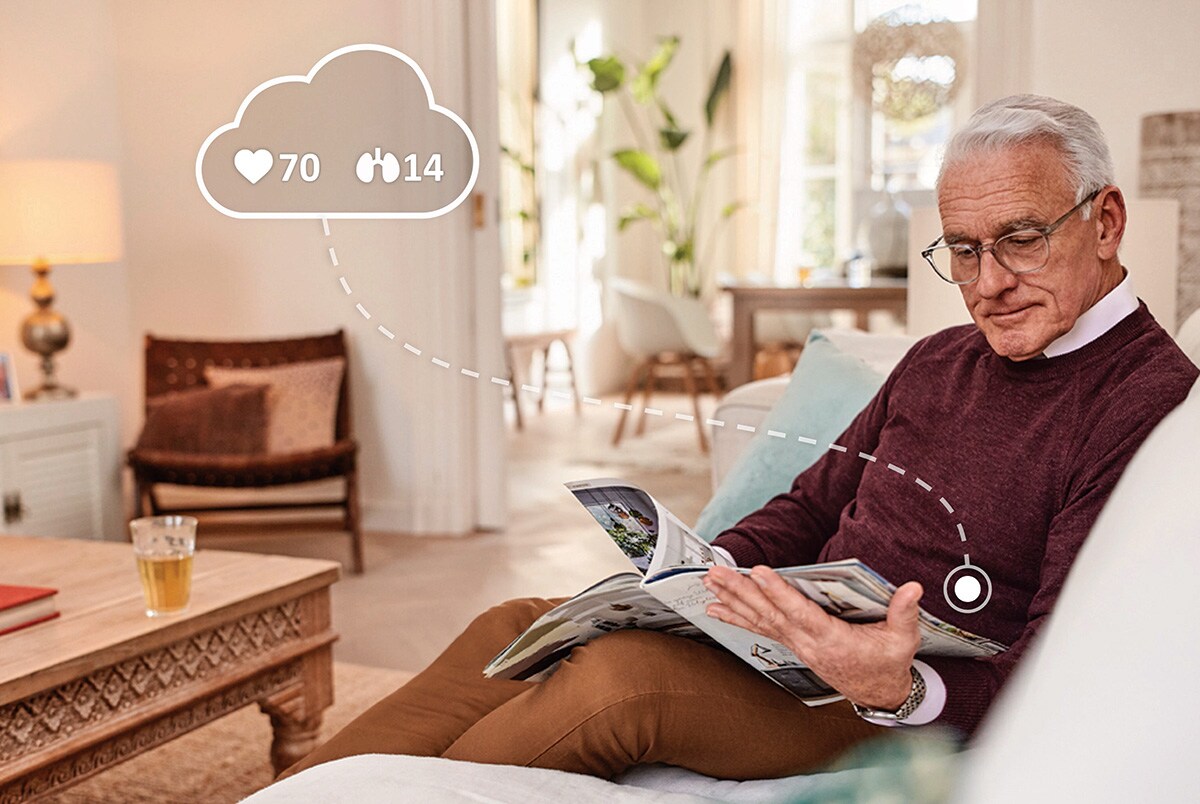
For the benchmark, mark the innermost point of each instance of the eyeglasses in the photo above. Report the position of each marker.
(1021, 252)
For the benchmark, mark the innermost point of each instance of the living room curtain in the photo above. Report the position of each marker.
(761, 83)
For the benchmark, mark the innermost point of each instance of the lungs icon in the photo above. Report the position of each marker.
(389, 167)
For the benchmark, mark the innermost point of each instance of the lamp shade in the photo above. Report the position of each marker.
(62, 212)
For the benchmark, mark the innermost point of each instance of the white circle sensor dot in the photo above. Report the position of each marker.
(967, 589)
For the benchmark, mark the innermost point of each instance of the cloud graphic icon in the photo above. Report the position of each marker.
(358, 136)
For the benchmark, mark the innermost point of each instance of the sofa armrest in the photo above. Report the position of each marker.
(747, 404)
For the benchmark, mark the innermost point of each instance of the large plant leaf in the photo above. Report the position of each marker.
(720, 87)
(641, 165)
(638, 212)
(608, 73)
(672, 138)
(646, 81)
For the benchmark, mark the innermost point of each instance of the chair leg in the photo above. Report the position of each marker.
(353, 522)
(139, 503)
(647, 391)
(512, 384)
(710, 377)
(545, 378)
(689, 381)
(630, 389)
(571, 374)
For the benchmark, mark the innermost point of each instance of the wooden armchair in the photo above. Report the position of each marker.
(174, 366)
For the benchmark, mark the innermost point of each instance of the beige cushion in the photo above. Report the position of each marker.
(301, 403)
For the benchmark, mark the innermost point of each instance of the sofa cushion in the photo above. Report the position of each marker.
(371, 778)
(208, 421)
(302, 400)
(836, 376)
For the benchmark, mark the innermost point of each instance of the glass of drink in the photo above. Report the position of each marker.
(163, 547)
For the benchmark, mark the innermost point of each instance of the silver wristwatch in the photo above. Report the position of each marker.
(914, 699)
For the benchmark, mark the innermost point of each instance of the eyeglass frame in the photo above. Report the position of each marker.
(979, 249)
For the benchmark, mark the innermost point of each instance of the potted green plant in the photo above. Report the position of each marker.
(676, 201)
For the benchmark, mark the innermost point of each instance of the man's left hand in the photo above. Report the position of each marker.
(868, 663)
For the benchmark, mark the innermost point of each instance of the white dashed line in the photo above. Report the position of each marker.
(686, 417)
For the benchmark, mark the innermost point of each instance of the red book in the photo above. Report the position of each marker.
(22, 606)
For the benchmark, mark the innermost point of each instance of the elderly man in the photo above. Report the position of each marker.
(1025, 419)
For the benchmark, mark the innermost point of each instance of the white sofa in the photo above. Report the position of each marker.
(1103, 709)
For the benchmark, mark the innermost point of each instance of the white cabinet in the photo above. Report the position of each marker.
(60, 469)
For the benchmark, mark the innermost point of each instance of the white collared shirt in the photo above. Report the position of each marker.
(1097, 319)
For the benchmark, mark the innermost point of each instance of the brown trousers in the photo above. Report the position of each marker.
(628, 698)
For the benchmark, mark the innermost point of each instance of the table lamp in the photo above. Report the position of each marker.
(56, 212)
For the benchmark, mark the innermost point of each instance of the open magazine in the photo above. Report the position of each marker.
(668, 595)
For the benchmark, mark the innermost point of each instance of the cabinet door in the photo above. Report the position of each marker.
(57, 477)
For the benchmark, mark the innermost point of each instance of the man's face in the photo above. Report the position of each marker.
(992, 194)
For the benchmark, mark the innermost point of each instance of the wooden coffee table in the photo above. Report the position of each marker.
(104, 682)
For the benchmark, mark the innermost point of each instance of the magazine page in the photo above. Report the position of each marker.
(651, 536)
(613, 604)
(683, 590)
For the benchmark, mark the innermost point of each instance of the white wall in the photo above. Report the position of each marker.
(149, 81)
(1120, 61)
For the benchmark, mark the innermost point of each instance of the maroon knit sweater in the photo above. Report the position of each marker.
(1025, 453)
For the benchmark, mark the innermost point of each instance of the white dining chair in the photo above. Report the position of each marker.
(663, 332)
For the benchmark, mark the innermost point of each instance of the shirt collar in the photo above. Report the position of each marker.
(1097, 319)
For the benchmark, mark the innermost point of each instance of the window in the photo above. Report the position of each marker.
(852, 132)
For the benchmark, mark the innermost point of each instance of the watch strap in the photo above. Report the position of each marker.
(915, 697)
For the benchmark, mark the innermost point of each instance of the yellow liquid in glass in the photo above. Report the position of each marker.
(167, 582)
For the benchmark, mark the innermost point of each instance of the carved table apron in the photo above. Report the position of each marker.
(104, 682)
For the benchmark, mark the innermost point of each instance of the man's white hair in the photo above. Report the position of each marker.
(1020, 119)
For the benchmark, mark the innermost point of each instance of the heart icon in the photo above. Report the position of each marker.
(253, 165)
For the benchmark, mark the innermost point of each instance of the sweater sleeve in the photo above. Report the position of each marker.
(791, 528)
(971, 684)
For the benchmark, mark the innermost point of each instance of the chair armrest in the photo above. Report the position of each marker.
(747, 404)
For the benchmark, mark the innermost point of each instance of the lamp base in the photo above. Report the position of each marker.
(47, 393)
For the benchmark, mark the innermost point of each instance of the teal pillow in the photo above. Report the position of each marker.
(827, 390)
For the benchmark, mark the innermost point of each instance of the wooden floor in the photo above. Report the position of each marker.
(419, 592)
